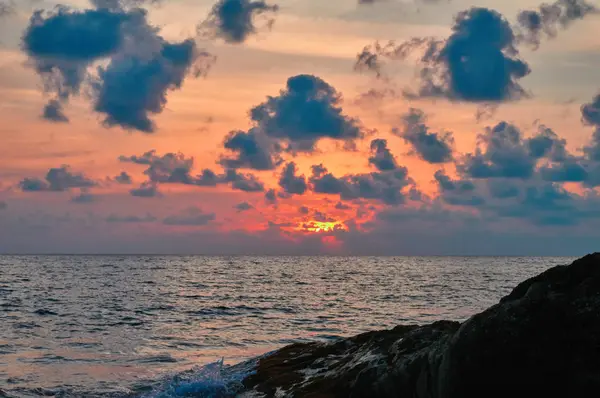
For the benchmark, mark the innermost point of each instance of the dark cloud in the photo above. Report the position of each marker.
(168, 168)
(133, 87)
(307, 110)
(53, 111)
(271, 197)
(123, 178)
(502, 189)
(243, 182)
(176, 168)
(548, 19)
(386, 186)
(547, 144)
(3, 205)
(570, 170)
(252, 149)
(146, 190)
(192, 216)
(84, 197)
(457, 192)
(478, 62)
(505, 155)
(342, 206)
(244, 206)
(236, 20)
(290, 182)
(57, 179)
(319, 216)
(63, 44)
(431, 147)
(304, 210)
(381, 157)
(590, 114)
(207, 178)
(114, 218)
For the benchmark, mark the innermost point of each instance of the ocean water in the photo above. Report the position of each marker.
(116, 326)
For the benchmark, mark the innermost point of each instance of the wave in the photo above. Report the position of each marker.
(214, 380)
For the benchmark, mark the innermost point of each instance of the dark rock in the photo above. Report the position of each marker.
(542, 340)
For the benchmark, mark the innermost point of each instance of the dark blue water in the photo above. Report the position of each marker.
(122, 326)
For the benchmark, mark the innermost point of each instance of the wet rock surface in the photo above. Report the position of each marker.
(542, 340)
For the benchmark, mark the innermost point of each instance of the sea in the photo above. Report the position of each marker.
(162, 326)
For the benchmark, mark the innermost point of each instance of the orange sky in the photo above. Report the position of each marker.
(308, 37)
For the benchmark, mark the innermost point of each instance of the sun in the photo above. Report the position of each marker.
(320, 227)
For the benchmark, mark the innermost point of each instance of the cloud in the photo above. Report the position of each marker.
(123, 178)
(431, 147)
(457, 192)
(549, 18)
(478, 62)
(505, 155)
(244, 206)
(62, 44)
(114, 218)
(176, 168)
(236, 20)
(271, 197)
(83, 197)
(142, 68)
(304, 210)
(590, 114)
(57, 179)
(381, 157)
(53, 111)
(253, 150)
(168, 168)
(3, 205)
(307, 110)
(290, 182)
(192, 216)
(146, 190)
(342, 206)
(243, 182)
(386, 186)
(132, 87)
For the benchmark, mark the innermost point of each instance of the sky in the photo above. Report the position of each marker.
(300, 127)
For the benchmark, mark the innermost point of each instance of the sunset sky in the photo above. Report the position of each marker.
(390, 127)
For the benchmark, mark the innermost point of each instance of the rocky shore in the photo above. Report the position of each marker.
(542, 340)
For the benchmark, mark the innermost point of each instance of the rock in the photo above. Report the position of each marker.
(542, 340)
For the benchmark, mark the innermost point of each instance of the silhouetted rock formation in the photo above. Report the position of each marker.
(542, 340)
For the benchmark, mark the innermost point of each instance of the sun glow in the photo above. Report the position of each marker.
(319, 226)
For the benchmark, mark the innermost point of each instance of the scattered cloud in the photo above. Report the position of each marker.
(307, 110)
(479, 62)
(431, 147)
(252, 150)
(83, 197)
(58, 179)
(235, 21)
(115, 218)
(290, 182)
(192, 216)
(385, 186)
(548, 19)
(63, 44)
(146, 190)
(243, 206)
(381, 157)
